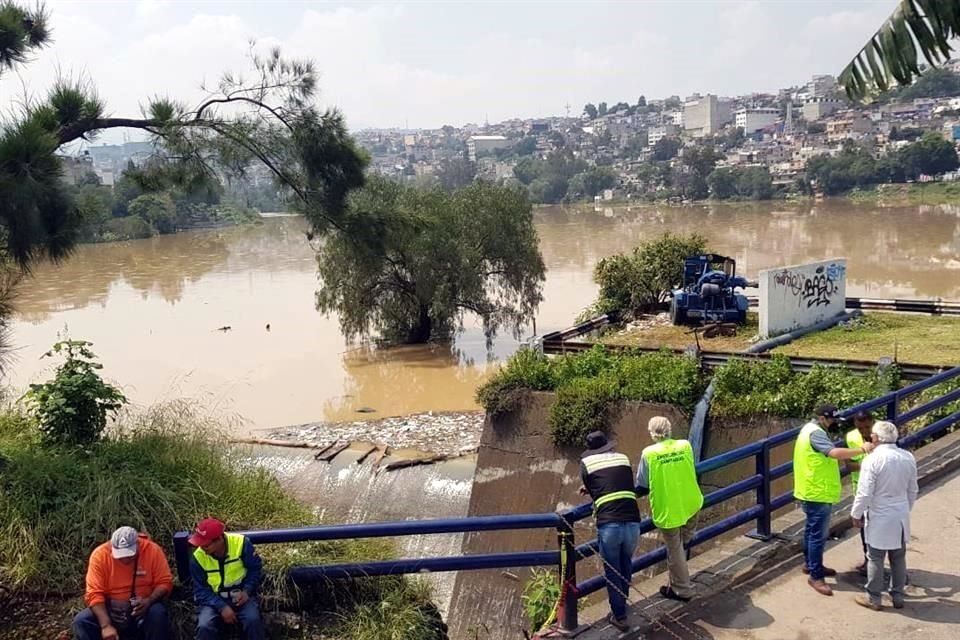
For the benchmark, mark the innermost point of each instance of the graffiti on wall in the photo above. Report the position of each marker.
(812, 290)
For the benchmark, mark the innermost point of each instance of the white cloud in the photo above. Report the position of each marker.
(149, 9)
(384, 65)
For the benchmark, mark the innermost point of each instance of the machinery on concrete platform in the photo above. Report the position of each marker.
(709, 292)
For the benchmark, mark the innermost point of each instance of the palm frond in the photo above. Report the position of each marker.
(890, 56)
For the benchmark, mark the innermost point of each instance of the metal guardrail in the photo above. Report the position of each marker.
(934, 307)
(761, 513)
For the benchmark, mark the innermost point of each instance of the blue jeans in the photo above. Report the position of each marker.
(209, 622)
(618, 540)
(815, 536)
(154, 625)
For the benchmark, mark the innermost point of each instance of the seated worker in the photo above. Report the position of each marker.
(128, 579)
(226, 572)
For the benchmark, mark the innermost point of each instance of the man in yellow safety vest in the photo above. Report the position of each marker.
(667, 468)
(861, 433)
(816, 486)
(226, 572)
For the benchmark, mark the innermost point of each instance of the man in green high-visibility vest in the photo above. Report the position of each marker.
(667, 468)
(862, 425)
(816, 486)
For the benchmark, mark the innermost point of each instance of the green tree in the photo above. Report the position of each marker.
(602, 109)
(643, 279)
(590, 110)
(890, 55)
(22, 32)
(931, 155)
(723, 183)
(309, 152)
(95, 206)
(700, 162)
(436, 256)
(527, 170)
(456, 173)
(527, 146)
(642, 102)
(666, 149)
(593, 181)
(755, 183)
(157, 209)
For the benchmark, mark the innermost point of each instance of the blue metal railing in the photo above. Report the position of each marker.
(563, 522)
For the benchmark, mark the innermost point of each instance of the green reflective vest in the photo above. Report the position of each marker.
(228, 573)
(675, 495)
(816, 477)
(855, 441)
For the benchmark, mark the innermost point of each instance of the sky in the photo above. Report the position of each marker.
(426, 64)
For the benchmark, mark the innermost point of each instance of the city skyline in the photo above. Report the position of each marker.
(424, 65)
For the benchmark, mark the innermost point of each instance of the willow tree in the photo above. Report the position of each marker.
(267, 116)
(890, 56)
(429, 258)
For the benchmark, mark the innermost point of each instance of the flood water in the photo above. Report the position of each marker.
(153, 308)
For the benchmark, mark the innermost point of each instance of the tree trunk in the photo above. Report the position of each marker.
(421, 333)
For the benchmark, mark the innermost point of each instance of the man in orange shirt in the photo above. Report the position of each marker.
(128, 579)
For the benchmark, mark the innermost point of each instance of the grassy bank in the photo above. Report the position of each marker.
(915, 339)
(908, 194)
(160, 472)
(677, 337)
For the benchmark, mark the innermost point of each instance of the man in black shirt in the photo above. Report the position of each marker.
(608, 479)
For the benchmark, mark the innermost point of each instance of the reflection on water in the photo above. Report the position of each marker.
(153, 307)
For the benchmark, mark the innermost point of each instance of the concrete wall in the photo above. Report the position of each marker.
(800, 296)
(519, 470)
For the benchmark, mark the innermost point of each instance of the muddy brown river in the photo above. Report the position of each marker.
(153, 308)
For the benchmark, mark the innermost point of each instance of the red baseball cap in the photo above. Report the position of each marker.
(208, 530)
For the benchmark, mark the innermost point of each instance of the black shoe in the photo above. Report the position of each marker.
(618, 623)
(668, 592)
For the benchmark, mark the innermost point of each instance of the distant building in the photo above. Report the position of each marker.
(817, 108)
(751, 120)
(852, 125)
(539, 127)
(77, 169)
(656, 134)
(704, 116)
(677, 118)
(821, 86)
(478, 145)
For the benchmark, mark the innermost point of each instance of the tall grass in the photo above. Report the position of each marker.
(160, 471)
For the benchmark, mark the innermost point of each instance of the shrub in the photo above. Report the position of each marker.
(129, 228)
(73, 408)
(540, 596)
(582, 406)
(744, 388)
(661, 377)
(589, 383)
(644, 279)
(157, 209)
(526, 370)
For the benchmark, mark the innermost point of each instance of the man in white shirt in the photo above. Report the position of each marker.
(886, 493)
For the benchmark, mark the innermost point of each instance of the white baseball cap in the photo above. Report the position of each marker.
(124, 542)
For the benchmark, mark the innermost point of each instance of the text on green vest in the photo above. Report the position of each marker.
(675, 495)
